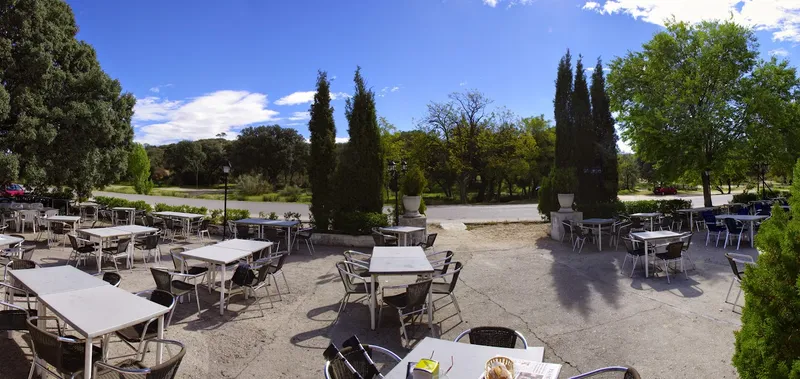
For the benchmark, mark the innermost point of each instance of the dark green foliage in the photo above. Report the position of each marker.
(271, 151)
(9, 168)
(248, 184)
(291, 193)
(562, 103)
(359, 223)
(322, 164)
(217, 215)
(768, 345)
(560, 180)
(588, 186)
(112, 202)
(67, 121)
(414, 182)
(745, 197)
(360, 172)
(161, 207)
(605, 135)
(650, 206)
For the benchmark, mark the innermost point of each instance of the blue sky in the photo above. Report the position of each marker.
(199, 67)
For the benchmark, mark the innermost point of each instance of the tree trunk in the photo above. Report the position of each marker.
(706, 188)
(462, 189)
(729, 186)
(197, 179)
(481, 191)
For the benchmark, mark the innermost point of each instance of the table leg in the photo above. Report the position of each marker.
(430, 305)
(752, 233)
(646, 261)
(599, 238)
(99, 254)
(651, 223)
(160, 347)
(691, 221)
(222, 290)
(87, 359)
(372, 301)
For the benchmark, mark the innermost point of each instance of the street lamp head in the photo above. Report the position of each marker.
(226, 168)
(392, 166)
(404, 165)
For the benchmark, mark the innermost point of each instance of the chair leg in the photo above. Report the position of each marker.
(635, 261)
(737, 299)
(284, 280)
(666, 269)
(458, 309)
(197, 297)
(343, 302)
(729, 289)
(727, 237)
(738, 241)
(624, 262)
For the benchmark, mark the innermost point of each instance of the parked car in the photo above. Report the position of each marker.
(665, 191)
(13, 190)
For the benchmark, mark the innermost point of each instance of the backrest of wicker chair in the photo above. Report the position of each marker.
(13, 316)
(674, 250)
(496, 336)
(162, 278)
(687, 240)
(377, 238)
(112, 278)
(163, 298)
(261, 276)
(271, 234)
(121, 214)
(177, 259)
(204, 224)
(281, 260)
(89, 211)
(169, 368)
(46, 345)
(27, 253)
(343, 270)
(339, 370)
(636, 223)
(57, 227)
(456, 271)
(734, 267)
(629, 245)
(73, 241)
(151, 241)
(21, 264)
(417, 294)
(122, 245)
(242, 231)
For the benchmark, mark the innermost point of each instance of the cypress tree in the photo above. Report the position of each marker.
(562, 104)
(606, 147)
(361, 170)
(584, 138)
(322, 131)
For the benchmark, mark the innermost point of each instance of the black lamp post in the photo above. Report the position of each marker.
(394, 185)
(226, 169)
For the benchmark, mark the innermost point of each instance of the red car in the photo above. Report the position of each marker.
(13, 190)
(665, 191)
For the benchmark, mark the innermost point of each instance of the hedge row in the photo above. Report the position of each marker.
(661, 206)
(112, 202)
(161, 207)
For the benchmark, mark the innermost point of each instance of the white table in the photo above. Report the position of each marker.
(651, 216)
(751, 219)
(82, 207)
(469, 361)
(652, 237)
(218, 256)
(388, 260)
(246, 245)
(103, 235)
(134, 231)
(65, 219)
(599, 222)
(6, 240)
(692, 211)
(404, 230)
(50, 280)
(131, 214)
(185, 217)
(98, 311)
(262, 222)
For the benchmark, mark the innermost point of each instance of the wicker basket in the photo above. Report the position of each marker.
(504, 360)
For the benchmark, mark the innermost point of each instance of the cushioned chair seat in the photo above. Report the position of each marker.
(196, 270)
(182, 286)
(134, 333)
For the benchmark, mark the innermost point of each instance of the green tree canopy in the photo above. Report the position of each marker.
(268, 150)
(67, 122)
(605, 138)
(139, 169)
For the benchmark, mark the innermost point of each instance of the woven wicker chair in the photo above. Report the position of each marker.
(622, 373)
(151, 247)
(202, 230)
(360, 260)
(440, 265)
(148, 330)
(633, 253)
(138, 369)
(275, 236)
(353, 284)
(304, 235)
(121, 217)
(117, 252)
(413, 302)
(177, 288)
(496, 336)
(337, 368)
(17, 264)
(447, 289)
(13, 316)
(59, 355)
(243, 232)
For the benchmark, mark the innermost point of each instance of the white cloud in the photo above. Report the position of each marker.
(158, 121)
(306, 97)
(591, 5)
(342, 139)
(781, 17)
(395, 89)
(300, 116)
(462, 84)
(157, 89)
(779, 52)
(511, 3)
(491, 3)
(295, 124)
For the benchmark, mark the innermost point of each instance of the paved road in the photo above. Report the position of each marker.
(463, 213)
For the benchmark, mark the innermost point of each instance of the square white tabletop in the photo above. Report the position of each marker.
(105, 232)
(597, 221)
(135, 229)
(744, 217)
(402, 229)
(216, 254)
(6, 240)
(694, 210)
(49, 280)
(656, 235)
(652, 214)
(469, 361)
(63, 218)
(178, 214)
(403, 260)
(97, 311)
(123, 209)
(246, 245)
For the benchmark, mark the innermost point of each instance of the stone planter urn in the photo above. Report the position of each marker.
(564, 200)
(411, 205)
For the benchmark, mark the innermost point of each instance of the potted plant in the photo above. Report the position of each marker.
(414, 184)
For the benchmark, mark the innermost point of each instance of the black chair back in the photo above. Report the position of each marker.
(731, 225)
(162, 278)
(151, 241)
(674, 250)
(496, 336)
(734, 267)
(112, 278)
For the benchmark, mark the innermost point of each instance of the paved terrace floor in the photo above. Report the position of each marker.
(579, 307)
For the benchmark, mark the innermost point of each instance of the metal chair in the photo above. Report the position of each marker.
(447, 289)
(361, 261)
(274, 269)
(81, 249)
(243, 232)
(177, 288)
(496, 336)
(440, 265)
(567, 225)
(429, 240)
(275, 236)
(202, 230)
(337, 368)
(148, 330)
(248, 280)
(665, 223)
(735, 260)
(413, 302)
(674, 253)
(624, 373)
(138, 369)
(712, 227)
(13, 292)
(151, 246)
(353, 284)
(109, 277)
(304, 235)
(580, 235)
(59, 355)
(686, 238)
(58, 232)
(733, 228)
(13, 316)
(633, 252)
(119, 251)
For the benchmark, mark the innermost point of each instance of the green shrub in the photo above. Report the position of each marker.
(112, 202)
(289, 216)
(661, 206)
(768, 345)
(358, 223)
(272, 216)
(414, 182)
(249, 185)
(143, 186)
(602, 210)
(161, 207)
(744, 197)
(271, 197)
(291, 193)
(217, 215)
